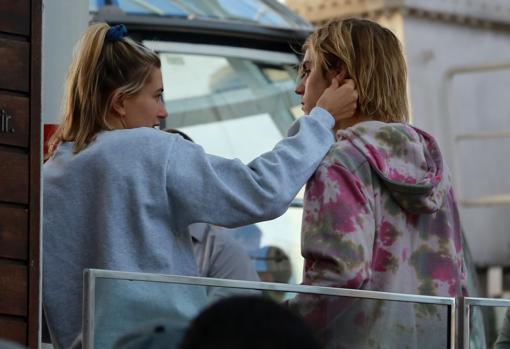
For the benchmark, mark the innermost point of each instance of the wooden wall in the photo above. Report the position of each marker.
(20, 164)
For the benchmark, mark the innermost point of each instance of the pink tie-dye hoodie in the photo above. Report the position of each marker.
(380, 214)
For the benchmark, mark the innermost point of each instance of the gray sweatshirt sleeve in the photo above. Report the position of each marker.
(211, 189)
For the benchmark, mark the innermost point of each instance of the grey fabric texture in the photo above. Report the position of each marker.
(220, 256)
(125, 203)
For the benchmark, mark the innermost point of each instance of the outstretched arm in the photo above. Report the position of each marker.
(229, 193)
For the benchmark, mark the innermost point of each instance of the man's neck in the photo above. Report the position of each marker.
(346, 123)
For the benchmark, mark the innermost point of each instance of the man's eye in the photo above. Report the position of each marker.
(304, 73)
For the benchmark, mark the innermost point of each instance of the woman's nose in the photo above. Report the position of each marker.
(163, 113)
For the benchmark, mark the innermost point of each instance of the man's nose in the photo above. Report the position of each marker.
(300, 88)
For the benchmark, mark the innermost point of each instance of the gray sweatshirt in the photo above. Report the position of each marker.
(125, 202)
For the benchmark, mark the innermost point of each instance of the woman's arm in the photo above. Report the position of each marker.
(211, 189)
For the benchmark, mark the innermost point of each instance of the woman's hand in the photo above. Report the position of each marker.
(340, 99)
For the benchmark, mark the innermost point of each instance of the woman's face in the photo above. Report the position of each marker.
(146, 108)
(312, 83)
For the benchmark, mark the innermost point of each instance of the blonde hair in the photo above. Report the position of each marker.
(373, 58)
(99, 68)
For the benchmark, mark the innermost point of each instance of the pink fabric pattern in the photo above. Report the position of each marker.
(380, 214)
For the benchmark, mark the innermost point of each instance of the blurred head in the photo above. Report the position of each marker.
(180, 133)
(111, 84)
(361, 50)
(248, 323)
(272, 264)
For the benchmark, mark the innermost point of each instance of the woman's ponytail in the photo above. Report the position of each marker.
(104, 61)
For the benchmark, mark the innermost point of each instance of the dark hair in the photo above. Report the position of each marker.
(248, 323)
(180, 133)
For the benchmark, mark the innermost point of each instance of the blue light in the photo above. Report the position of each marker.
(259, 12)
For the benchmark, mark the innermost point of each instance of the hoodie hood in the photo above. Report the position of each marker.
(406, 159)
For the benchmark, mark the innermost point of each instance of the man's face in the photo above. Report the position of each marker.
(312, 83)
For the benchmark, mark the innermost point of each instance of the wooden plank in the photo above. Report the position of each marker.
(13, 288)
(15, 17)
(14, 329)
(14, 120)
(35, 176)
(13, 232)
(14, 65)
(13, 176)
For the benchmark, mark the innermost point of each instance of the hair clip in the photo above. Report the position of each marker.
(116, 33)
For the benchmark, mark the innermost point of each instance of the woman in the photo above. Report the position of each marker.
(379, 212)
(119, 194)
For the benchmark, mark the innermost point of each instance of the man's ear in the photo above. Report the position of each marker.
(343, 73)
(117, 105)
(340, 72)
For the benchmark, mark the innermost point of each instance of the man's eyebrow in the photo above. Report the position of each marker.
(161, 89)
(305, 64)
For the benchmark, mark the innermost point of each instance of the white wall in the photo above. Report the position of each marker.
(63, 23)
(477, 102)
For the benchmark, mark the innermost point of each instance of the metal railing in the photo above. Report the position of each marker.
(459, 334)
(467, 312)
(93, 277)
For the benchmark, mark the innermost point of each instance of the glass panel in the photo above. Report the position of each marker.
(248, 11)
(233, 107)
(489, 327)
(252, 10)
(158, 7)
(343, 322)
(340, 322)
(123, 305)
(257, 12)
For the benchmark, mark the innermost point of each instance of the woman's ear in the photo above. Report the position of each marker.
(117, 105)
